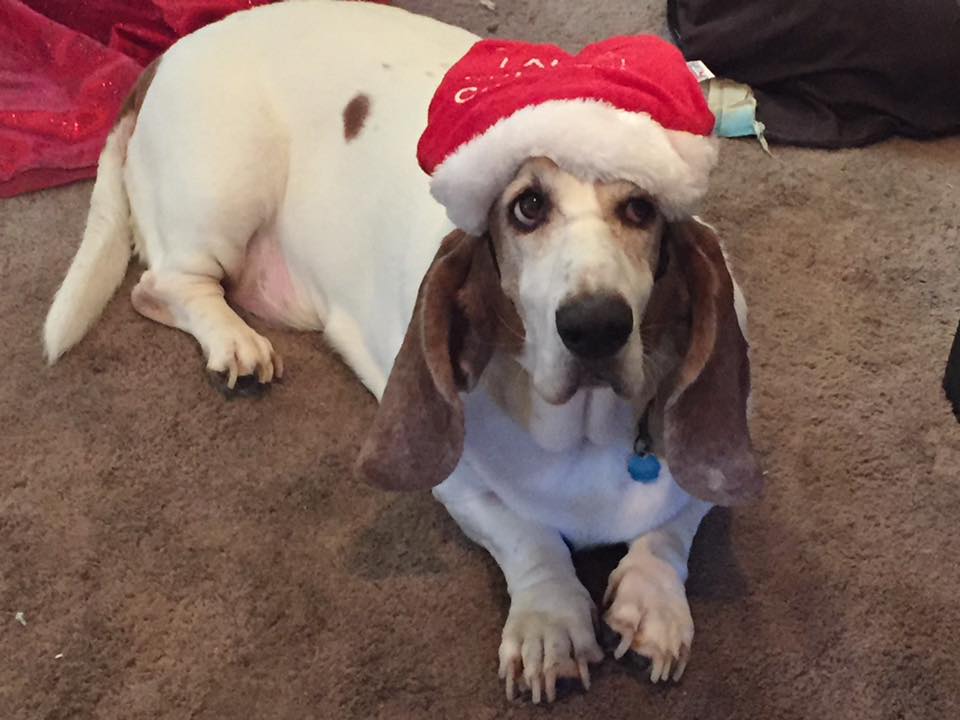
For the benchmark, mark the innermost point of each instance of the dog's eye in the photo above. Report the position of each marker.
(529, 209)
(637, 211)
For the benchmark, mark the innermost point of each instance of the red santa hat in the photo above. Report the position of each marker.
(627, 108)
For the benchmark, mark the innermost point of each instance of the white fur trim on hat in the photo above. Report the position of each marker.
(589, 138)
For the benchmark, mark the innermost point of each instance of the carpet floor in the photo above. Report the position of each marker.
(174, 554)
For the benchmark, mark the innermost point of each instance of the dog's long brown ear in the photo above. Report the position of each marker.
(706, 436)
(417, 435)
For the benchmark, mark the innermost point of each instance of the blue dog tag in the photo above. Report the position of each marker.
(644, 468)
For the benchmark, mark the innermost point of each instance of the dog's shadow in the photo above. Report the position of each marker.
(405, 539)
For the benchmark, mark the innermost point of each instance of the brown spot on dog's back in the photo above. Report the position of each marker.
(355, 115)
(139, 90)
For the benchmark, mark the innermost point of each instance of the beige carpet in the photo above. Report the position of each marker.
(177, 555)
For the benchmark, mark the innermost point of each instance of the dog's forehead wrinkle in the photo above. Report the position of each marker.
(575, 197)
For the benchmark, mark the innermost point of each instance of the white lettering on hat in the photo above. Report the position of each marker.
(465, 95)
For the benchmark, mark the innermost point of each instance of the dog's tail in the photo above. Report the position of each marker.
(101, 261)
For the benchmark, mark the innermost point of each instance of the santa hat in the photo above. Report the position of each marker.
(627, 108)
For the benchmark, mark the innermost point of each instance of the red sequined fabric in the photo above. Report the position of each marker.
(65, 68)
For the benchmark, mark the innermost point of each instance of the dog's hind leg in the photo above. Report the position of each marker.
(199, 196)
(195, 303)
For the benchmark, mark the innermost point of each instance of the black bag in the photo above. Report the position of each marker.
(951, 378)
(833, 73)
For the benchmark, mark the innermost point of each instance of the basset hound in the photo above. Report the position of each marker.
(267, 165)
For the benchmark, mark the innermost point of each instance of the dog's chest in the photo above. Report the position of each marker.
(584, 491)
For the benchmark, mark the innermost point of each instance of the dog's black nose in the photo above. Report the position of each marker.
(595, 326)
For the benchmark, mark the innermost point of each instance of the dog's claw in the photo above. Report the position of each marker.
(550, 683)
(681, 663)
(508, 672)
(625, 641)
(584, 667)
(535, 691)
(265, 373)
(656, 671)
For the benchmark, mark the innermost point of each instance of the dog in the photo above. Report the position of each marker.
(266, 164)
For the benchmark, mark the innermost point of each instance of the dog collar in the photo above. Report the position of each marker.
(643, 465)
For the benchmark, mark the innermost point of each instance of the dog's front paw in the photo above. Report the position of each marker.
(649, 611)
(549, 634)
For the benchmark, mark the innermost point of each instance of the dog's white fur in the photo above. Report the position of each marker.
(238, 170)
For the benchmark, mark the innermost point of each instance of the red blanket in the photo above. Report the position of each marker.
(65, 68)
